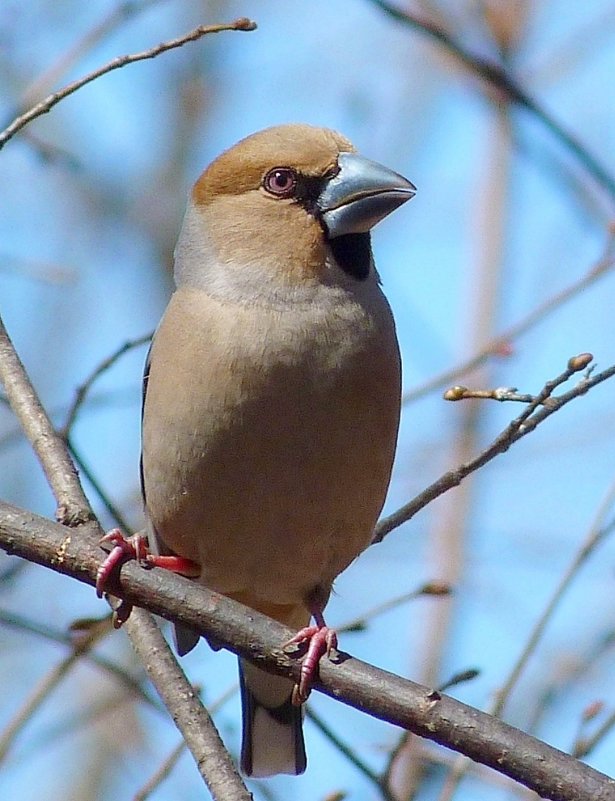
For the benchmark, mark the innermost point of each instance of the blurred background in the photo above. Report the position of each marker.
(508, 216)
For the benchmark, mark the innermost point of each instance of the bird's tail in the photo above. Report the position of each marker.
(272, 739)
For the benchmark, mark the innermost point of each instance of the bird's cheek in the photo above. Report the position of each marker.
(280, 236)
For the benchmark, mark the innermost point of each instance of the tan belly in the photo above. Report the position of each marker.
(272, 479)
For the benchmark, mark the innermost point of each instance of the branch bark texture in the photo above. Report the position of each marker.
(549, 772)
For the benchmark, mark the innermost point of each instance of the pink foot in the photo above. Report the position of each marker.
(136, 548)
(321, 640)
(123, 549)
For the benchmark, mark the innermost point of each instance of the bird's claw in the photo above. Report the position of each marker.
(135, 547)
(320, 640)
(123, 548)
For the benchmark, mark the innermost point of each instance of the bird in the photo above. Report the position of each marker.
(271, 399)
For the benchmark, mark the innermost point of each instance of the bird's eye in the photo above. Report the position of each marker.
(281, 181)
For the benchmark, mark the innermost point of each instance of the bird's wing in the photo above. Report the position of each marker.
(145, 380)
(185, 638)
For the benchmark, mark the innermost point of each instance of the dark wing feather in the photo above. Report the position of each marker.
(145, 381)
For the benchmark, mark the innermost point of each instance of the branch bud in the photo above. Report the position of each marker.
(455, 393)
(579, 362)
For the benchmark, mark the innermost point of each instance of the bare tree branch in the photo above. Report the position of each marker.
(176, 692)
(350, 755)
(44, 82)
(242, 24)
(116, 671)
(428, 713)
(101, 368)
(531, 417)
(361, 623)
(498, 78)
(48, 683)
(48, 445)
(585, 745)
(597, 533)
(103, 495)
(73, 508)
(500, 345)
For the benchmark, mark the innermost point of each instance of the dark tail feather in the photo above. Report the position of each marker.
(272, 740)
(185, 639)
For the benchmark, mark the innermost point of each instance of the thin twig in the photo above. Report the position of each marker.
(501, 344)
(45, 687)
(242, 24)
(497, 76)
(570, 674)
(50, 154)
(501, 394)
(132, 684)
(162, 773)
(360, 623)
(165, 769)
(399, 750)
(111, 508)
(84, 388)
(531, 417)
(586, 745)
(44, 82)
(73, 411)
(350, 755)
(596, 535)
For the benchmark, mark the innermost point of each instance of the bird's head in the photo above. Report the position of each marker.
(285, 206)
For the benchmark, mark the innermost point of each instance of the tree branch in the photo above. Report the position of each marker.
(101, 368)
(427, 713)
(529, 419)
(185, 708)
(176, 692)
(120, 674)
(242, 24)
(48, 445)
(45, 687)
(497, 77)
(500, 345)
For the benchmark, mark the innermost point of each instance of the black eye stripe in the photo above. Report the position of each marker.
(285, 182)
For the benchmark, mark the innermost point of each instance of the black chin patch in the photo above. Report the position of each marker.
(353, 253)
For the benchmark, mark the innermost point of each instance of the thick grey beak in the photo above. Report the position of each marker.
(360, 195)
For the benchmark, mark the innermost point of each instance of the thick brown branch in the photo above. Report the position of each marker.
(551, 773)
(73, 506)
(198, 730)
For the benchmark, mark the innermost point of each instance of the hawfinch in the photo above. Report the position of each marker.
(272, 397)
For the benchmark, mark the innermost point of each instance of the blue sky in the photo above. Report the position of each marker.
(504, 218)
